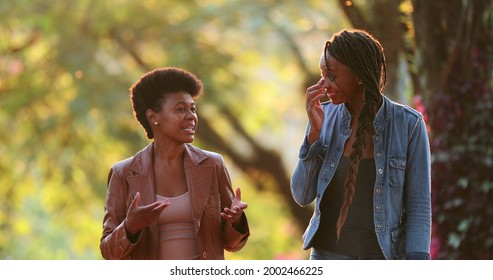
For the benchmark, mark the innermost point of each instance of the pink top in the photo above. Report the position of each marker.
(177, 239)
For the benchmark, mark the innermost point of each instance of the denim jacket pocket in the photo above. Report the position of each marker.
(397, 170)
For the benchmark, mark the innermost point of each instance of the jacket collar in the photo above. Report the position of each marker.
(383, 115)
(381, 118)
(142, 162)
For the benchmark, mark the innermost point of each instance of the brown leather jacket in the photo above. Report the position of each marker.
(210, 191)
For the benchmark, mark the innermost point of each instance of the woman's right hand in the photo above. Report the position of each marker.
(138, 217)
(314, 110)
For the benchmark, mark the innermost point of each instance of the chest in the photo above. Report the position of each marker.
(349, 145)
(170, 180)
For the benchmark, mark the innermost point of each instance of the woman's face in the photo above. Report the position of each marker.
(341, 83)
(177, 120)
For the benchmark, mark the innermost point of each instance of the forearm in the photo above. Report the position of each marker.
(116, 245)
(305, 176)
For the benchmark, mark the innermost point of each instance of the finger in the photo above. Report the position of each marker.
(156, 206)
(227, 217)
(313, 97)
(238, 194)
(150, 207)
(314, 101)
(240, 208)
(312, 91)
(316, 87)
(228, 211)
(160, 206)
(135, 202)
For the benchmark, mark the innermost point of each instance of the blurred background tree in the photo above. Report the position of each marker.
(66, 66)
(455, 62)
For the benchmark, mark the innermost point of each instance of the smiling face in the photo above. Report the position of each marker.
(177, 120)
(341, 83)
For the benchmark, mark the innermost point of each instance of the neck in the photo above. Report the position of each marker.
(168, 152)
(354, 107)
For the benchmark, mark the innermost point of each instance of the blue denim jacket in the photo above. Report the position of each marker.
(402, 191)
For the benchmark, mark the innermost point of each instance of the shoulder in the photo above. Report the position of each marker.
(406, 118)
(331, 107)
(200, 155)
(403, 112)
(123, 164)
(137, 162)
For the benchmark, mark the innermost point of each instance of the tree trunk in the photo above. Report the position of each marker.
(455, 59)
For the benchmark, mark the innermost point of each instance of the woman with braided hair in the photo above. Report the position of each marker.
(365, 160)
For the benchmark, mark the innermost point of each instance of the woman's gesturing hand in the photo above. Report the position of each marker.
(234, 213)
(138, 217)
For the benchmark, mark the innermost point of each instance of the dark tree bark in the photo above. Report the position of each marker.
(455, 58)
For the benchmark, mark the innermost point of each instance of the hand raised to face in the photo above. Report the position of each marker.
(314, 109)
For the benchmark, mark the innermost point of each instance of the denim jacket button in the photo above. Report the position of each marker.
(332, 164)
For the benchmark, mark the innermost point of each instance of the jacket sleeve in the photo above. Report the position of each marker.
(304, 178)
(233, 238)
(114, 243)
(418, 193)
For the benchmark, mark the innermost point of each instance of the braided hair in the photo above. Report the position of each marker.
(364, 56)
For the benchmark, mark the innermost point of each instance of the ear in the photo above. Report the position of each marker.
(151, 116)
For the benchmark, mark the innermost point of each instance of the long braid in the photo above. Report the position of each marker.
(364, 56)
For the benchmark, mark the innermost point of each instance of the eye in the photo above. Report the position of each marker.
(193, 110)
(329, 75)
(181, 109)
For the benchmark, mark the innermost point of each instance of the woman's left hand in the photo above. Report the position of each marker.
(233, 214)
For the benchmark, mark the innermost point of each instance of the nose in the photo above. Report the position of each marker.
(329, 84)
(191, 115)
(324, 83)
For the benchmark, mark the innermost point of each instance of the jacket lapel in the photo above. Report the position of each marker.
(199, 180)
(141, 180)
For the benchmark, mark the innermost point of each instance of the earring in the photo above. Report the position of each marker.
(156, 123)
(359, 83)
